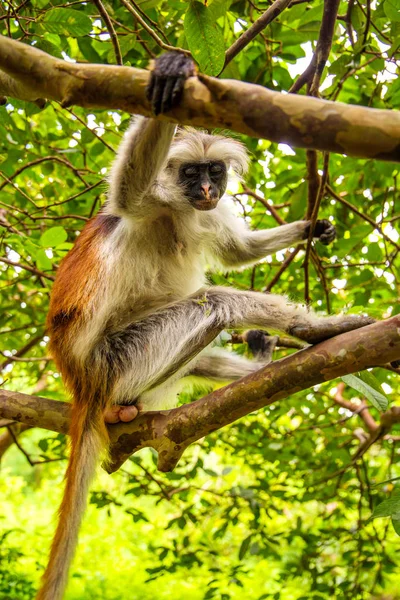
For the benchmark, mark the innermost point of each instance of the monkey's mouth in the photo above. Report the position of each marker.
(205, 202)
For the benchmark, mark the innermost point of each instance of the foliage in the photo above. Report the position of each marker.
(272, 506)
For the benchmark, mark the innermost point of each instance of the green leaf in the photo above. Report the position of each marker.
(205, 38)
(43, 262)
(369, 386)
(244, 547)
(396, 524)
(66, 21)
(388, 508)
(298, 202)
(392, 9)
(53, 237)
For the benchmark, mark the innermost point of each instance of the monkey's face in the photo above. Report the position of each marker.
(203, 182)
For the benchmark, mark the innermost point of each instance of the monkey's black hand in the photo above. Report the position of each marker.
(167, 80)
(323, 230)
(260, 343)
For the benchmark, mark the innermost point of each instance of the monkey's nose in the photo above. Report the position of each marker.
(205, 188)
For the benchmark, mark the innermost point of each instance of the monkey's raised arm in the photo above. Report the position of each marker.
(146, 143)
(139, 160)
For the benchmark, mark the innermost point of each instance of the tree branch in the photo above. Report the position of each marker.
(29, 74)
(110, 28)
(171, 432)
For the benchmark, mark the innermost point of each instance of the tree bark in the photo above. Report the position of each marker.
(30, 74)
(171, 432)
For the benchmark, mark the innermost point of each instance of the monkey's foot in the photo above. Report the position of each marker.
(324, 329)
(121, 414)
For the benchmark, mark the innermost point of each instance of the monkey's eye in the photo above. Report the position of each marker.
(190, 171)
(216, 169)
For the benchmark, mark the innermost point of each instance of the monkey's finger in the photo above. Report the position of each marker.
(157, 96)
(150, 87)
(328, 235)
(166, 100)
(178, 90)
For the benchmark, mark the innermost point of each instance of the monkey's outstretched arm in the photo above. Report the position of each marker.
(237, 245)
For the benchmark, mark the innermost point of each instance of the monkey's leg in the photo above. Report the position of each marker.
(221, 365)
(217, 363)
(145, 354)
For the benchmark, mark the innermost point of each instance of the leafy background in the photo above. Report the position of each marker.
(270, 507)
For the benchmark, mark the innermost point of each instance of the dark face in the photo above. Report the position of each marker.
(204, 183)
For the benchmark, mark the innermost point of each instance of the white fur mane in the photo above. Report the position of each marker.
(191, 145)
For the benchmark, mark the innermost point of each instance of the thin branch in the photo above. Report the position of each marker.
(248, 36)
(150, 31)
(152, 23)
(38, 161)
(26, 358)
(312, 75)
(21, 352)
(288, 260)
(33, 270)
(313, 219)
(110, 28)
(363, 216)
(270, 208)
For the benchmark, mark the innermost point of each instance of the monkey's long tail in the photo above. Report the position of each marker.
(89, 438)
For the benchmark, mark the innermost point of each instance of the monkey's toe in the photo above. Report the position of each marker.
(120, 414)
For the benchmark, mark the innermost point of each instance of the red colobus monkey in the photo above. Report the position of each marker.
(131, 312)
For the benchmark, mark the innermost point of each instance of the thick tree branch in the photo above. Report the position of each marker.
(304, 122)
(171, 432)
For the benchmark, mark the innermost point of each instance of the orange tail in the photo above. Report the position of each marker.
(89, 438)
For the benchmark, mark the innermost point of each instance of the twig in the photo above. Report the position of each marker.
(27, 268)
(150, 31)
(14, 358)
(282, 269)
(25, 453)
(152, 23)
(38, 161)
(312, 75)
(32, 342)
(313, 220)
(110, 28)
(270, 14)
(363, 216)
(270, 208)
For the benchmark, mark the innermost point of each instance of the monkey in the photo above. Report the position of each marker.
(131, 311)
